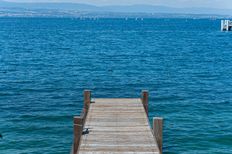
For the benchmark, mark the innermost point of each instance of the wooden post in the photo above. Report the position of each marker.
(78, 128)
(87, 100)
(145, 100)
(158, 132)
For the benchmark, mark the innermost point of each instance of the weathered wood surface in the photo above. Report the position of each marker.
(117, 126)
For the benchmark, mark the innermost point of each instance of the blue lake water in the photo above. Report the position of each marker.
(45, 64)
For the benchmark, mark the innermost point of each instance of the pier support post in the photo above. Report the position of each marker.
(158, 131)
(145, 100)
(87, 100)
(78, 128)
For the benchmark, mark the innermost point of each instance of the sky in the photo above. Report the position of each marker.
(223, 4)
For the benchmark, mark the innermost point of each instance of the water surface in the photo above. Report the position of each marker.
(46, 63)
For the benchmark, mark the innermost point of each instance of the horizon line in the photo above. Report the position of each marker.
(125, 5)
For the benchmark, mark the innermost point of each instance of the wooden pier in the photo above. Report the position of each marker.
(116, 126)
(226, 25)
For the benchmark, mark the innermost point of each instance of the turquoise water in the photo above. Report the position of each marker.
(45, 64)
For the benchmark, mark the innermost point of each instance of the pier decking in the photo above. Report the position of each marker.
(116, 126)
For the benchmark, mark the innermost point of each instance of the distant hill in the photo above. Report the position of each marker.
(56, 6)
(120, 9)
(164, 9)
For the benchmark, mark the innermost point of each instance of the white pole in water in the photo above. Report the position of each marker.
(227, 25)
(222, 25)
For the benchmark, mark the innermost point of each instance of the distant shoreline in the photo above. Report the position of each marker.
(113, 11)
(81, 14)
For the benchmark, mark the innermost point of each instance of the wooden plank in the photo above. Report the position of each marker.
(116, 152)
(115, 148)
